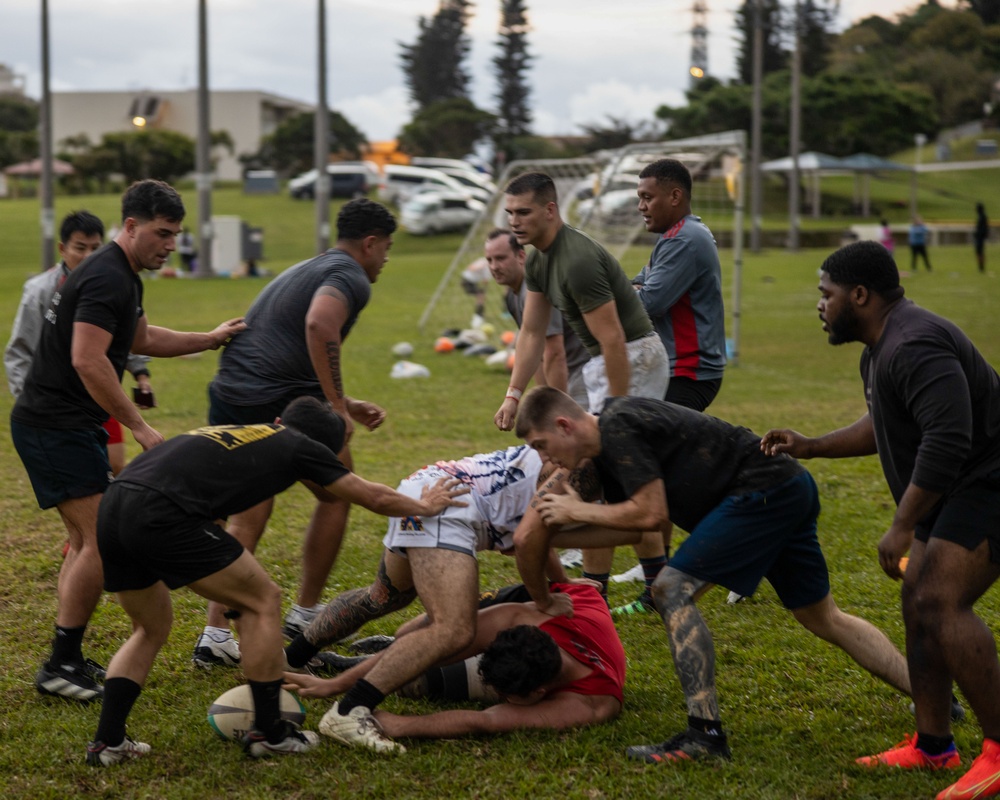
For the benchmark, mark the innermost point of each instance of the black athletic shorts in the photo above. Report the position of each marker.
(221, 412)
(145, 537)
(62, 465)
(968, 516)
(696, 395)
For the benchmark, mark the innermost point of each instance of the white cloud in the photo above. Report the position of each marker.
(615, 98)
(378, 115)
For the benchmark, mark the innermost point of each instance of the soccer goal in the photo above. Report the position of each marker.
(597, 194)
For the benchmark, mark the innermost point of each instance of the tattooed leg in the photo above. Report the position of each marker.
(391, 590)
(690, 640)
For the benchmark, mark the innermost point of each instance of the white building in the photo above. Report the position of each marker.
(247, 116)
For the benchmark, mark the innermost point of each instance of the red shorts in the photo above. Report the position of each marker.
(114, 429)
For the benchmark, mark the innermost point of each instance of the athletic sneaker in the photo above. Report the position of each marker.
(634, 575)
(100, 755)
(735, 597)
(74, 681)
(295, 740)
(211, 652)
(327, 663)
(298, 618)
(983, 778)
(643, 604)
(357, 729)
(957, 712)
(371, 644)
(571, 559)
(906, 755)
(691, 745)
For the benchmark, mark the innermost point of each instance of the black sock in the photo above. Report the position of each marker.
(361, 694)
(650, 569)
(712, 727)
(267, 708)
(602, 578)
(66, 647)
(934, 745)
(299, 651)
(120, 695)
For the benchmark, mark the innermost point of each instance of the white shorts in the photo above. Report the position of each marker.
(649, 372)
(464, 530)
(576, 386)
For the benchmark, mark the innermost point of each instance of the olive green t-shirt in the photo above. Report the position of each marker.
(577, 275)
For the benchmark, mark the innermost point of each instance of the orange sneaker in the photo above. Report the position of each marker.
(983, 778)
(906, 755)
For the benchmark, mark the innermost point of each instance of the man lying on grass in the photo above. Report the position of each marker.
(547, 672)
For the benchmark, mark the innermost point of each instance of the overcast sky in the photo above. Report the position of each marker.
(592, 58)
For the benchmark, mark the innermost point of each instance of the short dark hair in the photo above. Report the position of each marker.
(540, 407)
(150, 199)
(541, 187)
(520, 660)
(669, 170)
(80, 222)
(363, 217)
(867, 264)
(316, 419)
(497, 233)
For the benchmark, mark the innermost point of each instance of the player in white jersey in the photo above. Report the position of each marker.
(434, 557)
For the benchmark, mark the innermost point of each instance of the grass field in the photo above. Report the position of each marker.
(797, 711)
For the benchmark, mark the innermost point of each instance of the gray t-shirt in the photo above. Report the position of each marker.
(270, 359)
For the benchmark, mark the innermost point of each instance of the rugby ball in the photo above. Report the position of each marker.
(231, 715)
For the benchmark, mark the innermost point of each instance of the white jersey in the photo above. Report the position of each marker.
(501, 485)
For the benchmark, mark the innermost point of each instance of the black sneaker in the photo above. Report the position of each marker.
(691, 745)
(72, 681)
(327, 663)
(94, 671)
(957, 711)
(371, 644)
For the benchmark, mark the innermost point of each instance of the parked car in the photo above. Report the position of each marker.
(476, 183)
(619, 206)
(400, 182)
(439, 211)
(346, 180)
(431, 162)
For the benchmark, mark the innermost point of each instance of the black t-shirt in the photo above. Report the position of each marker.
(217, 471)
(270, 359)
(700, 459)
(103, 291)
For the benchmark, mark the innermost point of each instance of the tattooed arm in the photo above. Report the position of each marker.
(327, 314)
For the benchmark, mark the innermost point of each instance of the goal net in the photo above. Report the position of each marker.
(597, 194)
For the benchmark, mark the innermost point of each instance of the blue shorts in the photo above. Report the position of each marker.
(967, 516)
(145, 537)
(221, 412)
(769, 534)
(62, 465)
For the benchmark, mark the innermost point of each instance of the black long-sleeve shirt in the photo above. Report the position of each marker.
(934, 402)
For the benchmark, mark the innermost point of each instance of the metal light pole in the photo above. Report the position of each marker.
(321, 138)
(795, 132)
(48, 215)
(203, 165)
(755, 132)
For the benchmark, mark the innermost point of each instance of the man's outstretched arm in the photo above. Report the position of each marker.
(562, 710)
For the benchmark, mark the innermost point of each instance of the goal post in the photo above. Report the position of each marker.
(597, 195)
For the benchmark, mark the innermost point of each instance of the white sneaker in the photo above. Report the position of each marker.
(296, 740)
(734, 598)
(634, 575)
(100, 755)
(298, 618)
(358, 729)
(571, 559)
(215, 650)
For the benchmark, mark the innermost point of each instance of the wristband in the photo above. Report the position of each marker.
(514, 393)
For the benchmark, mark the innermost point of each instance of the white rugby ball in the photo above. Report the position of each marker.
(402, 350)
(232, 713)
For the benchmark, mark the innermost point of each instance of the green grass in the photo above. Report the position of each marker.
(797, 710)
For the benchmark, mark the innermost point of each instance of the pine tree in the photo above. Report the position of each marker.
(510, 65)
(433, 65)
(775, 57)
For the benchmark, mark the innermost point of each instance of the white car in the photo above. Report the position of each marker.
(438, 212)
(400, 182)
(619, 206)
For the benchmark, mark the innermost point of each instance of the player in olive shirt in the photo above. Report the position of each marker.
(572, 272)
